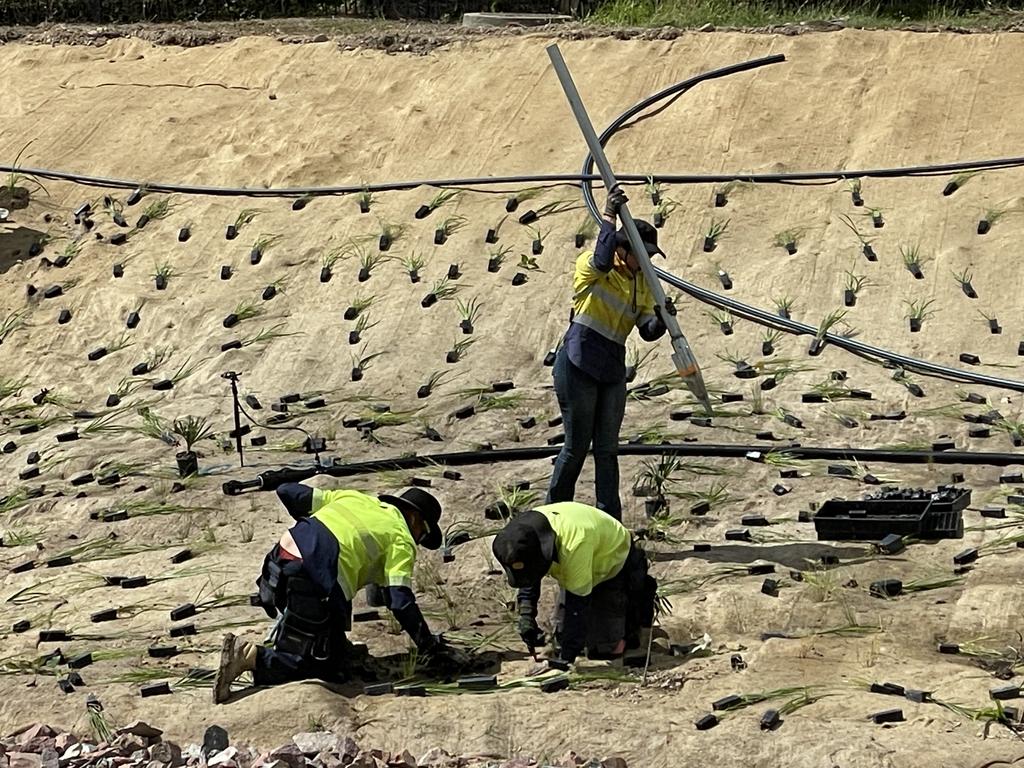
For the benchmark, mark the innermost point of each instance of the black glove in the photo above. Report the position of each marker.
(446, 658)
(616, 199)
(531, 633)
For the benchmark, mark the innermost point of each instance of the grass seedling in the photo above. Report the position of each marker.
(266, 335)
(827, 322)
(963, 279)
(14, 178)
(412, 264)
(557, 206)
(654, 475)
(248, 309)
(163, 273)
(469, 311)
(452, 224)
(502, 402)
(158, 209)
(912, 260)
(443, 289)
(362, 360)
(918, 311)
(958, 181)
(714, 232)
(665, 208)
(368, 261)
(365, 199)
(497, 257)
(360, 305)
(723, 318)
(783, 305)
(13, 322)
(191, 429)
(769, 339)
(155, 427)
(788, 239)
(122, 342)
(585, 231)
(853, 282)
(390, 234)
(333, 256)
(244, 218)
(443, 197)
(654, 189)
(458, 350)
(434, 380)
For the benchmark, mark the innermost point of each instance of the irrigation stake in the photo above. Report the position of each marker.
(682, 356)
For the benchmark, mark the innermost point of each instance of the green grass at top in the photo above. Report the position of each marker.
(756, 13)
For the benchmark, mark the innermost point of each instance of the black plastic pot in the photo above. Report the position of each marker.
(269, 292)
(364, 206)
(493, 264)
(537, 247)
(849, 297)
(915, 270)
(709, 244)
(769, 384)
(659, 220)
(452, 356)
(491, 237)
(816, 347)
(118, 270)
(161, 282)
(133, 320)
(726, 328)
(703, 723)
(518, 278)
(255, 256)
(364, 274)
(353, 337)
(440, 236)
(466, 326)
(61, 261)
(721, 200)
(142, 222)
(351, 313)
(783, 313)
(384, 243)
(767, 348)
(119, 238)
(511, 204)
(64, 317)
(549, 360)
(96, 354)
(225, 272)
(529, 217)
(465, 412)
(915, 324)
(984, 225)
(869, 252)
(428, 301)
(950, 188)
(188, 463)
(993, 326)
(357, 374)
(725, 280)
(423, 211)
(183, 612)
(325, 274)
(969, 359)
(140, 369)
(230, 321)
(877, 220)
(53, 292)
(790, 248)
(113, 400)
(579, 240)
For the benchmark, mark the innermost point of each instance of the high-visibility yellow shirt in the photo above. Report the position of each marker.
(374, 542)
(613, 302)
(591, 545)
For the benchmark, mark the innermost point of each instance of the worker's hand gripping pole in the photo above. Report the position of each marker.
(683, 358)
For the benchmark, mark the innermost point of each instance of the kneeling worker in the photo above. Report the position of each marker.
(343, 540)
(609, 595)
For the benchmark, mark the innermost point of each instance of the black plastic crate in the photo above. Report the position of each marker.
(913, 513)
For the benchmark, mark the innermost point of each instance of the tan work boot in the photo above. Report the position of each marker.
(236, 657)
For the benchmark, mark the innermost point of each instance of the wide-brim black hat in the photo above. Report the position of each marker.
(525, 548)
(429, 509)
(647, 233)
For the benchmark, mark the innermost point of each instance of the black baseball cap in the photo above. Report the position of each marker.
(647, 233)
(429, 509)
(525, 548)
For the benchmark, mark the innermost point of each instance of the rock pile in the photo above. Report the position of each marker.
(140, 745)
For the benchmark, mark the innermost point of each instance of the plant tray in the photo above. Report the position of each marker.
(923, 515)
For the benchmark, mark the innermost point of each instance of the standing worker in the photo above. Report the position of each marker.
(609, 597)
(342, 541)
(610, 298)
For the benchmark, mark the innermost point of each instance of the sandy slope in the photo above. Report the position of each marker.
(260, 113)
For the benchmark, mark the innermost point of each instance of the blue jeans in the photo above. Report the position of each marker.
(591, 413)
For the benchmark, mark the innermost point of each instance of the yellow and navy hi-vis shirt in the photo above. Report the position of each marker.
(592, 546)
(611, 303)
(375, 545)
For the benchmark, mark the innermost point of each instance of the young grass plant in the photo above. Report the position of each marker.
(783, 305)
(963, 279)
(789, 239)
(266, 335)
(913, 260)
(12, 322)
(469, 311)
(248, 309)
(918, 311)
(191, 429)
(412, 264)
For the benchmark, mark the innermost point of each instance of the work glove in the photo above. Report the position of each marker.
(530, 632)
(616, 199)
(447, 659)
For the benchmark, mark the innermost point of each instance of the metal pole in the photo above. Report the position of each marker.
(682, 357)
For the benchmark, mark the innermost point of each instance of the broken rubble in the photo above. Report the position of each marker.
(166, 753)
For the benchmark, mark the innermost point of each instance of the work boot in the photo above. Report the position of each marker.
(236, 656)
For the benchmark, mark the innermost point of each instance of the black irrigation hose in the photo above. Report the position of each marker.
(696, 450)
(760, 316)
(549, 179)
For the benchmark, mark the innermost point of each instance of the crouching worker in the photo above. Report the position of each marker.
(608, 597)
(342, 541)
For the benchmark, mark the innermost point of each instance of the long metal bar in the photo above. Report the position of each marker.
(682, 356)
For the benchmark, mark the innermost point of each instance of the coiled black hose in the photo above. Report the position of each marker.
(754, 314)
